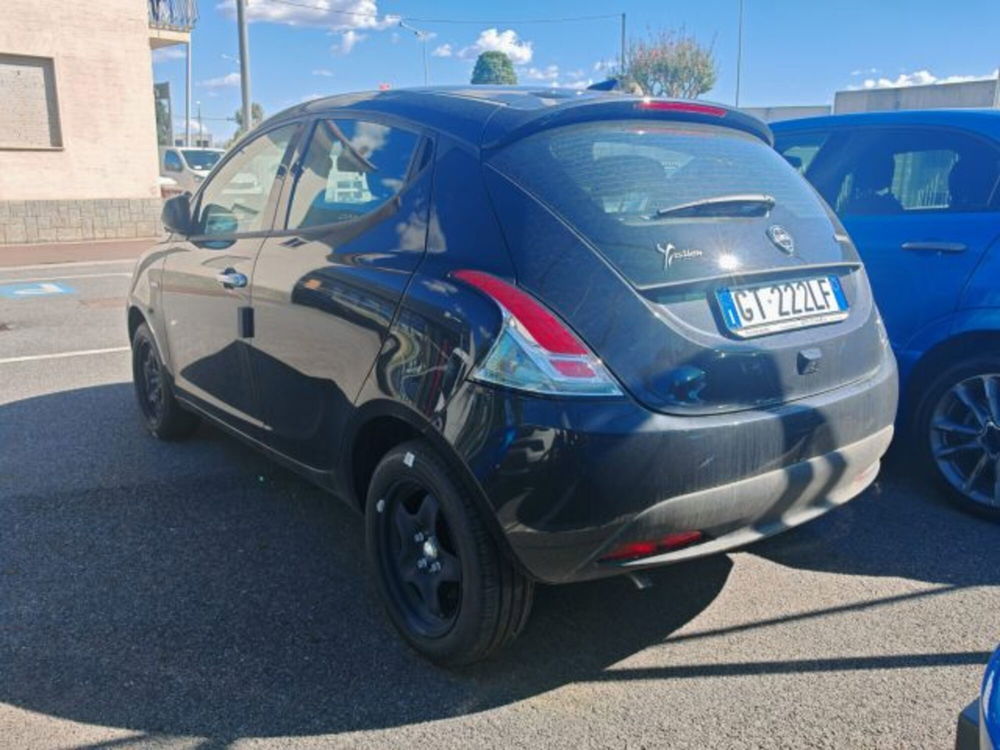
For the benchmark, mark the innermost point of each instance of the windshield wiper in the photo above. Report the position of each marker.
(738, 204)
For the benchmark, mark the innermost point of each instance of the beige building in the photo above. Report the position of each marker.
(78, 151)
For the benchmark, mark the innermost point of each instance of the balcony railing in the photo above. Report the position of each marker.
(173, 15)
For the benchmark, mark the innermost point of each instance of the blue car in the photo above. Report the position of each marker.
(918, 194)
(979, 723)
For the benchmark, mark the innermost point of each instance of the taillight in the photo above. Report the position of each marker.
(692, 108)
(669, 543)
(535, 351)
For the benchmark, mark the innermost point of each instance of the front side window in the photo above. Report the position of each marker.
(350, 168)
(235, 198)
(896, 172)
(172, 162)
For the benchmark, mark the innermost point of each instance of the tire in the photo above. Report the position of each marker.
(162, 414)
(482, 600)
(956, 433)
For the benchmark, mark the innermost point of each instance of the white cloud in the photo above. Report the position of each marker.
(195, 130)
(919, 78)
(230, 79)
(347, 41)
(173, 52)
(324, 72)
(443, 50)
(864, 72)
(519, 51)
(548, 73)
(605, 66)
(338, 15)
(578, 85)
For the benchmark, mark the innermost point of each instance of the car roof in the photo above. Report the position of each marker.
(486, 115)
(982, 120)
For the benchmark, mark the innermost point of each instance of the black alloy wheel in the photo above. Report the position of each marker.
(447, 585)
(161, 412)
(419, 560)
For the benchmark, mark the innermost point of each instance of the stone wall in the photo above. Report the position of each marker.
(23, 222)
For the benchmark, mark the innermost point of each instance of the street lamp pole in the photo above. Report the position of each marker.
(241, 22)
(739, 53)
(423, 36)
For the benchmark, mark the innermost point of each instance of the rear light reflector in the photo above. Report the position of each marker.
(691, 108)
(668, 543)
(535, 351)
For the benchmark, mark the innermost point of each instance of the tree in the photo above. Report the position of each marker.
(494, 67)
(164, 133)
(671, 63)
(256, 117)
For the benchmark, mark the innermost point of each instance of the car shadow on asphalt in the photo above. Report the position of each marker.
(198, 589)
(902, 526)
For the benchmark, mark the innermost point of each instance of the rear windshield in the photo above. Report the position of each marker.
(200, 159)
(617, 182)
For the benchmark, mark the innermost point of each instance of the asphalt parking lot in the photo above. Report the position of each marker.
(194, 595)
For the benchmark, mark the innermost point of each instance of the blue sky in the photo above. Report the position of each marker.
(794, 51)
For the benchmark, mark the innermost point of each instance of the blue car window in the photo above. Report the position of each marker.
(799, 149)
(917, 171)
(350, 168)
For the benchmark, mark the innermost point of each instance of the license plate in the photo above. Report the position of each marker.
(781, 306)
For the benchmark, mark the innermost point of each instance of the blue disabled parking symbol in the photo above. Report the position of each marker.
(28, 291)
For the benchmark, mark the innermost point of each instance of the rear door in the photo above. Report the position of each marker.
(326, 288)
(206, 290)
(920, 205)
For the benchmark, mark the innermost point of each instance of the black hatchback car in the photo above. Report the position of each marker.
(534, 336)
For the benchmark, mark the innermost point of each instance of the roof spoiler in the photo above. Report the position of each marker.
(511, 125)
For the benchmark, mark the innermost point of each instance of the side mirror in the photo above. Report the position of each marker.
(176, 214)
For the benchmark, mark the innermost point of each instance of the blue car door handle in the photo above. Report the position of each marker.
(936, 247)
(231, 279)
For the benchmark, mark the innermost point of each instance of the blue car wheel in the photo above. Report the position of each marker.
(958, 428)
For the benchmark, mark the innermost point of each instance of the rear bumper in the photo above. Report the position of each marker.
(569, 481)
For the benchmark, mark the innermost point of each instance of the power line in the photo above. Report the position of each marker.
(358, 14)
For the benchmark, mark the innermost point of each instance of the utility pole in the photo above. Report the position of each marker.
(201, 129)
(422, 36)
(622, 71)
(187, 98)
(739, 53)
(241, 22)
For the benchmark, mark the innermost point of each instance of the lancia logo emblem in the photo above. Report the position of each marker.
(782, 238)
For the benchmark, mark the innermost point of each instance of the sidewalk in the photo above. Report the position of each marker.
(69, 252)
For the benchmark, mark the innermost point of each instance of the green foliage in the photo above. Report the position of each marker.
(164, 133)
(256, 118)
(671, 63)
(494, 67)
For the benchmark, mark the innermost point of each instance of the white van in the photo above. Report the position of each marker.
(188, 167)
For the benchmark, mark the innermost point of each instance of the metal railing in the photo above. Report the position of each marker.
(173, 15)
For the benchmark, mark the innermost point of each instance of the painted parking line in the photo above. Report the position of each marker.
(27, 291)
(69, 264)
(36, 280)
(61, 355)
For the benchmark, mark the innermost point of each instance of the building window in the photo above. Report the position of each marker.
(29, 110)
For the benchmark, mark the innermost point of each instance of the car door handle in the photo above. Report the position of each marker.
(231, 279)
(935, 247)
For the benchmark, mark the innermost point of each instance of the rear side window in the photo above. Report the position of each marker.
(616, 181)
(913, 171)
(350, 168)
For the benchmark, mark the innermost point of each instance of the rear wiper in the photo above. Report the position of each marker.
(739, 204)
